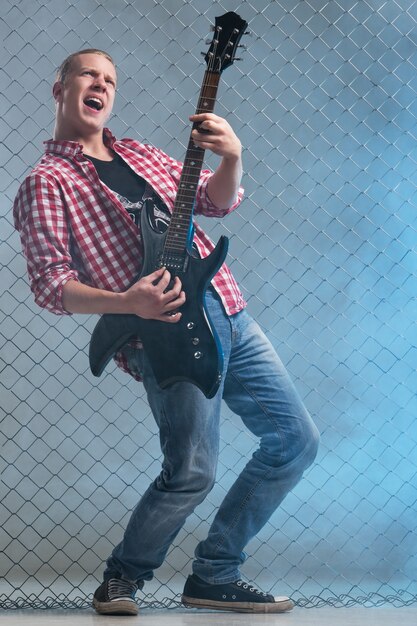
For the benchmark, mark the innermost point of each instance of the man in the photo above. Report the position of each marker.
(77, 214)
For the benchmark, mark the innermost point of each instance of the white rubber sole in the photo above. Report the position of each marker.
(117, 607)
(279, 606)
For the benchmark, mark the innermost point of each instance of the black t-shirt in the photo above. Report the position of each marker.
(131, 190)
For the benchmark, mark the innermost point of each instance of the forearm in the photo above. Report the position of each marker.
(215, 134)
(223, 186)
(151, 297)
(80, 298)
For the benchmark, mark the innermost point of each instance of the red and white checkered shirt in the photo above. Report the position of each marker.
(73, 227)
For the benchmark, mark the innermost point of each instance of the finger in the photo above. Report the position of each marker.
(207, 127)
(164, 282)
(206, 144)
(155, 276)
(173, 307)
(175, 302)
(205, 140)
(171, 318)
(172, 290)
(199, 117)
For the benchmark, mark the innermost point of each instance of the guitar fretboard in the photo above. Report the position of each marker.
(179, 229)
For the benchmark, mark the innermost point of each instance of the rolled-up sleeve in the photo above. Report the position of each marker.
(39, 216)
(204, 206)
(203, 203)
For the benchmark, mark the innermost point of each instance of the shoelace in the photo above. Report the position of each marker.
(119, 587)
(242, 583)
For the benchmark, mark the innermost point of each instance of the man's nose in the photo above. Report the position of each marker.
(99, 82)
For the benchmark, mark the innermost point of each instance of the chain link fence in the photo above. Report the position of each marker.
(324, 246)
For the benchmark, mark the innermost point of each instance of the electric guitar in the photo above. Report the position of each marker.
(188, 350)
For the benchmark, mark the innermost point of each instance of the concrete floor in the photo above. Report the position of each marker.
(382, 616)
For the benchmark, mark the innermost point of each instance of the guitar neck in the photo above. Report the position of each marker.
(180, 228)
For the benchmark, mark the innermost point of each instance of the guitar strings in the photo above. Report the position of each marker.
(179, 230)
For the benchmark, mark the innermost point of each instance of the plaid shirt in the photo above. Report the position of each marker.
(72, 226)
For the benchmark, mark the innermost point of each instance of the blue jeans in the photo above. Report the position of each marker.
(256, 387)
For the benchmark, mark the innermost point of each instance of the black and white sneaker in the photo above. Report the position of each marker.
(116, 596)
(239, 596)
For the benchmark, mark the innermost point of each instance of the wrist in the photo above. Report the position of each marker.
(234, 156)
(119, 302)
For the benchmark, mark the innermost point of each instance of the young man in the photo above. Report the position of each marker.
(77, 214)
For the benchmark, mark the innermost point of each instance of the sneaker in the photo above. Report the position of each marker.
(238, 596)
(116, 596)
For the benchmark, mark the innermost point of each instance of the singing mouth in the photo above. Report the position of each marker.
(94, 103)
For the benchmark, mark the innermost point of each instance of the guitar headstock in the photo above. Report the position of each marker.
(228, 31)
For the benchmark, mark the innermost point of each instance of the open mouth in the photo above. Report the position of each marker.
(94, 103)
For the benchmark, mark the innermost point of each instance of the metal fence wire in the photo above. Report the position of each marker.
(324, 246)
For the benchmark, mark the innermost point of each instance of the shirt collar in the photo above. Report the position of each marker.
(74, 148)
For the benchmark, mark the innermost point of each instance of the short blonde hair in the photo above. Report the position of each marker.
(66, 65)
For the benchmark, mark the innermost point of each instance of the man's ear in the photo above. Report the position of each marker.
(57, 90)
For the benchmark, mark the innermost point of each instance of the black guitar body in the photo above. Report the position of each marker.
(186, 351)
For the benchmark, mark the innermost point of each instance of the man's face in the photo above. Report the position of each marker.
(85, 99)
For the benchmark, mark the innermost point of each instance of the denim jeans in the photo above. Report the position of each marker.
(256, 387)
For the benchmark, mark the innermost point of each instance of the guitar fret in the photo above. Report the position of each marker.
(184, 209)
(180, 227)
(193, 166)
(177, 244)
(184, 216)
(186, 188)
(177, 236)
(187, 185)
(191, 172)
(207, 82)
(180, 222)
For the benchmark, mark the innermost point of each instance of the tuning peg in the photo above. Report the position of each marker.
(242, 45)
(248, 32)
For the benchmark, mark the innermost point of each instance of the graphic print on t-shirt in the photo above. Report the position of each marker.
(132, 190)
(159, 216)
